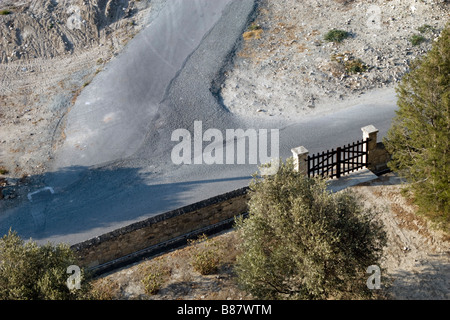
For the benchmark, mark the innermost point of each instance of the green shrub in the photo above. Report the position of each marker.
(426, 28)
(32, 272)
(419, 138)
(355, 66)
(155, 279)
(5, 12)
(303, 242)
(336, 35)
(351, 64)
(254, 27)
(417, 39)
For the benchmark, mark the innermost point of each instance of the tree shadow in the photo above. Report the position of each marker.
(100, 200)
(427, 280)
(386, 179)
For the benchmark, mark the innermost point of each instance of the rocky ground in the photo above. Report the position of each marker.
(287, 69)
(50, 51)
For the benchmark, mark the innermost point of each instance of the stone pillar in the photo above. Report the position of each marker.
(371, 133)
(300, 157)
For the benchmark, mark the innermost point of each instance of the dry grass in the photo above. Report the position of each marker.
(253, 34)
(172, 276)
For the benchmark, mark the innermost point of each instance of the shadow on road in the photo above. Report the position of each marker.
(102, 200)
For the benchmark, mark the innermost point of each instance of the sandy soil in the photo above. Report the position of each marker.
(417, 257)
(415, 263)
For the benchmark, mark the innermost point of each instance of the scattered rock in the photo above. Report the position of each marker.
(293, 60)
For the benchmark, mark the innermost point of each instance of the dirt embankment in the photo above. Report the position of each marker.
(50, 51)
(49, 28)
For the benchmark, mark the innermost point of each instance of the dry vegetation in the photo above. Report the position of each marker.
(173, 276)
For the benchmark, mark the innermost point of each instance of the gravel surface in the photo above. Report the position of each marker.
(288, 70)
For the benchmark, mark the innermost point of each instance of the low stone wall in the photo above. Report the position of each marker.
(379, 158)
(123, 243)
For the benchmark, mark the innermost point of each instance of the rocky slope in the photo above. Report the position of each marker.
(51, 50)
(287, 69)
(49, 28)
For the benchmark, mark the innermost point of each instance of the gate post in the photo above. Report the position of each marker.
(300, 160)
(338, 162)
(371, 133)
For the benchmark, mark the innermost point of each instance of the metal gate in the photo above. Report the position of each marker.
(336, 163)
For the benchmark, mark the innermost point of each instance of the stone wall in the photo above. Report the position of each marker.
(124, 244)
(379, 158)
(128, 244)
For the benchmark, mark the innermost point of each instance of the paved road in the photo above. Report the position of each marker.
(115, 167)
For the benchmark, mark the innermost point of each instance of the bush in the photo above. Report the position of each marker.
(5, 12)
(351, 64)
(355, 66)
(206, 256)
(336, 35)
(156, 278)
(32, 272)
(302, 242)
(417, 40)
(419, 138)
(426, 28)
(254, 27)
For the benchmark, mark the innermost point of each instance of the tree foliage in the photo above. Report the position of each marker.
(303, 242)
(32, 272)
(419, 137)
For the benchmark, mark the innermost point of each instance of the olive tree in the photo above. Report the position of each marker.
(32, 272)
(301, 241)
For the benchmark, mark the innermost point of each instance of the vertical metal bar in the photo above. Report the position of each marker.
(308, 166)
(366, 157)
(338, 160)
(360, 159)
(323, 164)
